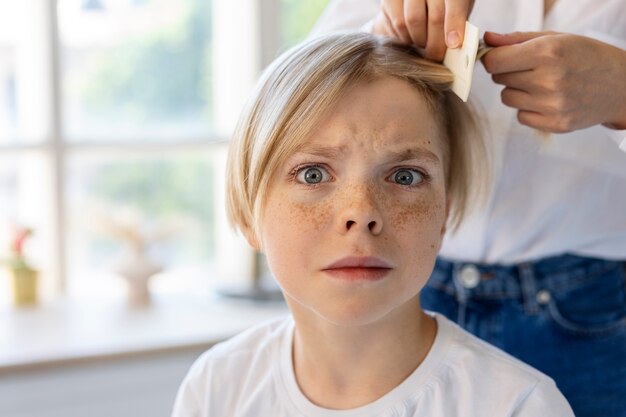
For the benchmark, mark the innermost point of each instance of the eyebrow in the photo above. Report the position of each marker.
(413, 153)
(330, 152)
(393, 156)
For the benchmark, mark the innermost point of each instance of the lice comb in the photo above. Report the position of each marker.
(461, 61)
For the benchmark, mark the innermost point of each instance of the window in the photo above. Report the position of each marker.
(114, 116)
(135, 70)
(297, 17)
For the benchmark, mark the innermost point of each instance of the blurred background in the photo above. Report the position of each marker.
(118, 107)
(114, 120)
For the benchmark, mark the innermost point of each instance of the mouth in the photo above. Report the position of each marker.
(359, 269)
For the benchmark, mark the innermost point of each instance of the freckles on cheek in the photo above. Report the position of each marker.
(305, 217)
(422, 213)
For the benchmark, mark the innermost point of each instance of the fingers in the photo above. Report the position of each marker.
(546, 123)
(382, 26)
(500, 39)
(527, 112)
(517, 99)
(457, 12)
(416, 19)
(430, 24)
(510, 58)
(393, 11)
(537, 103)
(435, 42)
(536, 112)
(523, 80)
(527, 50)
(536, 120)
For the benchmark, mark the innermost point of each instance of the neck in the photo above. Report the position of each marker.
(342, 367)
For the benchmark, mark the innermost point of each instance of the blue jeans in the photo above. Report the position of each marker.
(565, 316)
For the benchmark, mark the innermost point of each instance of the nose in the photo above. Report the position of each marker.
(359, 211)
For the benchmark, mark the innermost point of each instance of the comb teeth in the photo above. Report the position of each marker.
(461, 61)
(483, 48)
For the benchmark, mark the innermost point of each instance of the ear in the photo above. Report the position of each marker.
(251, 237)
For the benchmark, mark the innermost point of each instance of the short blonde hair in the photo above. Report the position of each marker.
(304, 83)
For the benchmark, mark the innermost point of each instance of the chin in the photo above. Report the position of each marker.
(354, 314)
(358, 309)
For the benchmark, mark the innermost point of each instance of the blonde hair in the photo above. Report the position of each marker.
(305, 82)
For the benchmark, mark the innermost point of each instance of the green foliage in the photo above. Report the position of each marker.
(18, 264)
(163, 73)
(159, 188)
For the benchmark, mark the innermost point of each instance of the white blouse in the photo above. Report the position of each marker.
(566, 194)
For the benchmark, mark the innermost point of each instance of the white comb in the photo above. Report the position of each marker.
(461, 61)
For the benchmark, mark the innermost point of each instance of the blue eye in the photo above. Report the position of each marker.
(407, 177)
(312, 175)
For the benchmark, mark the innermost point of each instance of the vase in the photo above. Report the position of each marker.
(137, 269)
(24, 282)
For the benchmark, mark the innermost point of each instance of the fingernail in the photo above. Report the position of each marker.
(453, 39)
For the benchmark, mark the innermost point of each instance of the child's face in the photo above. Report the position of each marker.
(368, 191)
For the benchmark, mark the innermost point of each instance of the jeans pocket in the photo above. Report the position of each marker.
(592, 307)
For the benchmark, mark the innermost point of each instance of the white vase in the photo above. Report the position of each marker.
(137, 269)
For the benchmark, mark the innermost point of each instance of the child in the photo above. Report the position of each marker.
(348, 163)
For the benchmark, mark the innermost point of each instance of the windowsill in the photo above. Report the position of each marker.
(67, 331)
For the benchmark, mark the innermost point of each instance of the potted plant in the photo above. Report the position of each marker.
(24, 276)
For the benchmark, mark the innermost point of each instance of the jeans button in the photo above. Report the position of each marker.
(469, 276)
(543, 297)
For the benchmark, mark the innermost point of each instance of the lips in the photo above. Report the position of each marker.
(367, 268)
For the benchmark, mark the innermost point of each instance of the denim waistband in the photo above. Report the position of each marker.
(512, 281)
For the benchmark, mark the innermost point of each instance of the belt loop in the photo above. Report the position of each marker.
(528, 286)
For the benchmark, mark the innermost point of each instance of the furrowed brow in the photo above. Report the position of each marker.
(324, 151)
(414, 153)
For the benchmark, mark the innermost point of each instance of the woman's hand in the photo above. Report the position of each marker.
(430, 24)
(559, 82)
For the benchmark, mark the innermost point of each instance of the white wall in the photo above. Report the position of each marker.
(128, 387)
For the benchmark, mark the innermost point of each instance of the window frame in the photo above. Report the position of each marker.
(260, 35)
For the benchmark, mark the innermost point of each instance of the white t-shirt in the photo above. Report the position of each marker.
(252, 375)
(566, 194)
